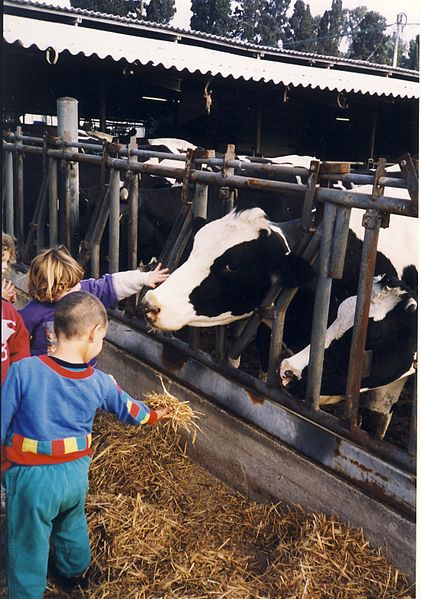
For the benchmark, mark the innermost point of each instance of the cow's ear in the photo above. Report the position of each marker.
(295, 271)
(198, 223)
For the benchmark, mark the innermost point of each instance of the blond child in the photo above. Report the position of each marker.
(46, 430)
(54, 273)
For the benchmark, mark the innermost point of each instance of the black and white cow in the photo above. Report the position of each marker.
(229, 272)
(391, 339)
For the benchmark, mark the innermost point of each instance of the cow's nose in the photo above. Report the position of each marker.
(150, 312)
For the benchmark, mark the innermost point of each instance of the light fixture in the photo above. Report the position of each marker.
(342, 118)
(154, 99)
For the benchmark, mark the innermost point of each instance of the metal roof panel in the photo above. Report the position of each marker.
(207, 61)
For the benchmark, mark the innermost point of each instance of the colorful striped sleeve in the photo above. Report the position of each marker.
(127, 409)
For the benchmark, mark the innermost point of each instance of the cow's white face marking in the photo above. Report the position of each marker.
(172, 297)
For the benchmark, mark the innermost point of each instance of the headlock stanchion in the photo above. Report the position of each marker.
(55, 219)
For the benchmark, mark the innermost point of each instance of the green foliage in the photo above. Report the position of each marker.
(330, 30)
(302, 29)
(211, 16)
(370, 42)
(262, 21)
(160, 11)
(412, 59)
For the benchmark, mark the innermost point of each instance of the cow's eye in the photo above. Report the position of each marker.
(227, 268)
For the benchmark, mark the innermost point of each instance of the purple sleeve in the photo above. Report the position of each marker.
(102, 288)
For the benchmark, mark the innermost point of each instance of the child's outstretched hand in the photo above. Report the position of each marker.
(157, 276)
(164, 413)
(8, 291)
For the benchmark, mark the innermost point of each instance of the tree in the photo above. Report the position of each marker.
(330, 30)
(369, 41)
(410, 55)
(160, 11)
(302, 29)
(211, 16)
(121, 8)
(262, 21)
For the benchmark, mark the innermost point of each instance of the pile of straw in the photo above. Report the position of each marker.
(162, 527)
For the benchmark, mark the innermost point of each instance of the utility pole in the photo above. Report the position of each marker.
(401, 21)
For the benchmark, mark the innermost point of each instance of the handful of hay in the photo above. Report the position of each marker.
(181, 417)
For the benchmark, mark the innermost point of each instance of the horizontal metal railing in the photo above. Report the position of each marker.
(233, 174)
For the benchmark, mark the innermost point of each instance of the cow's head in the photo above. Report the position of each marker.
(227, 273)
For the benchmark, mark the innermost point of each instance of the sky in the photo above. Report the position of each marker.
(387, 8)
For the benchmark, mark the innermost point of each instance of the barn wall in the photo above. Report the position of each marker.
(264, 469)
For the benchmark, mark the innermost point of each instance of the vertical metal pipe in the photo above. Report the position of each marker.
(67, 230)
(114, 239)
(321, 309)
(95, 270)
(133, 209)
(67, 129)
(52, 203)
(372, 223)
(373, 133)
(20, 226)
(220, 343)
(200, 201)
(340, 241)
(9, 222)
(258, 137)
(412, 444)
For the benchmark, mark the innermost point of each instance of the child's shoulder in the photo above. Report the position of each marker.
(8, 310)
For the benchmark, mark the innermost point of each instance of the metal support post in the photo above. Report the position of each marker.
(20, 226)
(53, 202)
(67, 129)
(133, 207)
(372, 222)
(226, 194)
(9, 222)
(321, 309)
(114, 240)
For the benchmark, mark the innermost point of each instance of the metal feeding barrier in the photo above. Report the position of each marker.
(57, 212)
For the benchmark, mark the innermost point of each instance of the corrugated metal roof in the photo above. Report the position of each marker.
(90, 40)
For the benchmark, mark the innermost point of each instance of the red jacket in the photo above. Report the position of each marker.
(14, 337)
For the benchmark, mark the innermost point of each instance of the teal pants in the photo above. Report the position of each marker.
(43, 503)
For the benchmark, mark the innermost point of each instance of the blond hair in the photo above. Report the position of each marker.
(8, 245)
(52, 273)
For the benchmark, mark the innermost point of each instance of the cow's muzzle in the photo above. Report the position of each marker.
(150, 312)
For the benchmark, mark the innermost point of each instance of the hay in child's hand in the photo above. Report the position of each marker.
(181, 417)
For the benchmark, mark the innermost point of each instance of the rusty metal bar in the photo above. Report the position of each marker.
(27, 250)
(53, 200)
(412, 444)
(114, 237)
(372, 223)
(90, 246)
(345, 198)
(9, 221)
(340, 241)
(133, 210)
(307, 217)
(20, 206)
(321, 309)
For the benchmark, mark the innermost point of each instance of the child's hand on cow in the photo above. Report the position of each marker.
(157, 276)
(8, 291)
(164, 413)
